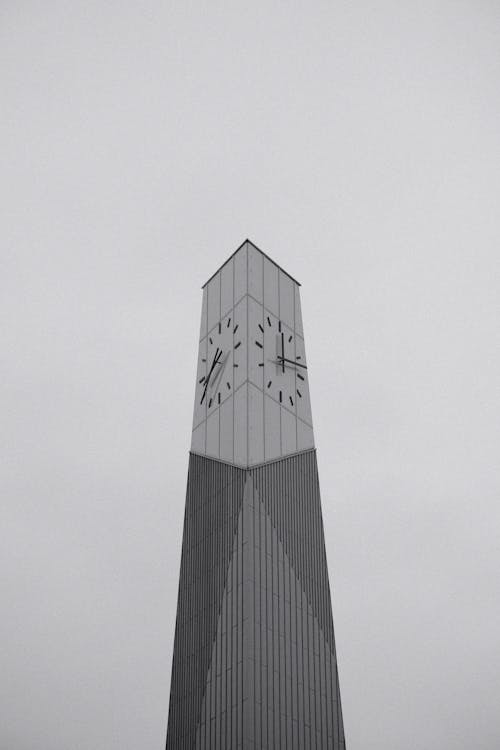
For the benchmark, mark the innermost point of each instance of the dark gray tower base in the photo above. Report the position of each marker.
(254, 662)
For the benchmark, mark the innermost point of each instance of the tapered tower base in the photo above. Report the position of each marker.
(254, 662)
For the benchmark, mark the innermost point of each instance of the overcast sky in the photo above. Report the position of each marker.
(357, 143)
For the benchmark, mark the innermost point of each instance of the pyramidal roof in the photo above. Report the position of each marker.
(261, 252)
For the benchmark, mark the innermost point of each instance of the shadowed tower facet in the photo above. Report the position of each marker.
(254, 663)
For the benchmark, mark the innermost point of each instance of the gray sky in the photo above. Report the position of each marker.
(358, 144)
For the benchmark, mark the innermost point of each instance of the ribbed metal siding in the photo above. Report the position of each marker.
(213, 499)
(304, 688)
(254, 656)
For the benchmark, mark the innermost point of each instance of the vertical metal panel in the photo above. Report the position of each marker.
(288, 432)
(255, 273)
(305, 436)
(255, 425)
(198, 438)
(271, 288)
(200, 409)
(304, 402)
(240, 354)
(213, 301)
(298, 313)
(226, 444)
(287, 299)
(241, 426)
(204, 315)
(226, 287)
(240, 272)
(255, 337)
(213, 434)
(272, 442)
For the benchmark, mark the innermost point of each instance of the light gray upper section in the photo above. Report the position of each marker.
(254, 409)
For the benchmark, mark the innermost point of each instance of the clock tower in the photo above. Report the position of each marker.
(254, 663)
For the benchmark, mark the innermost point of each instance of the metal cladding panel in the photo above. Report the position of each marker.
(255, 425)
(240, 317)
(255, 343)
(254, 661)
(204, 318)
(241, 272)
(227, 287)
(226, 442)
(272, 437)
(298, 313)
(213, 291)
(212, 445)
(271, 288)
(241, 425)
(288, 432)
(198, 444)
(287, 299)
(305, 436)
(255, 273)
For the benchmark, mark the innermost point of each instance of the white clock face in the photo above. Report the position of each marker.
(282, 358)
(218, 363)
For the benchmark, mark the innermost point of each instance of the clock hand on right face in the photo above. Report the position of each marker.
(297, 364)
(207, 380)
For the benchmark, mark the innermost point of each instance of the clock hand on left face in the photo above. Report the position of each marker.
(218, 353)
(218, 375)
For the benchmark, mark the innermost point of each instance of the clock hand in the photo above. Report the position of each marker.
(218, 375)
(297, 364)
(215, 360)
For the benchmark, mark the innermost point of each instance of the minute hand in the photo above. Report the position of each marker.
(297, 364)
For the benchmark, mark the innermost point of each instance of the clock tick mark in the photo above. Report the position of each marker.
(229, 322)
(300, 376)
(290, 338)
(259, 344)
(269, 384)
(218, 397)
(210, 403)
(291, 400)
(210, 339)
(269, 321)
(299, 394)
(228, 386)
(237, 345)
(281, 397)
(236, 327)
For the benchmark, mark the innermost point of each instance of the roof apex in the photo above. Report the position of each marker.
(261, 252)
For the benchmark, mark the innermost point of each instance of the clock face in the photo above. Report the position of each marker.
(281, 355)
(218, 362)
